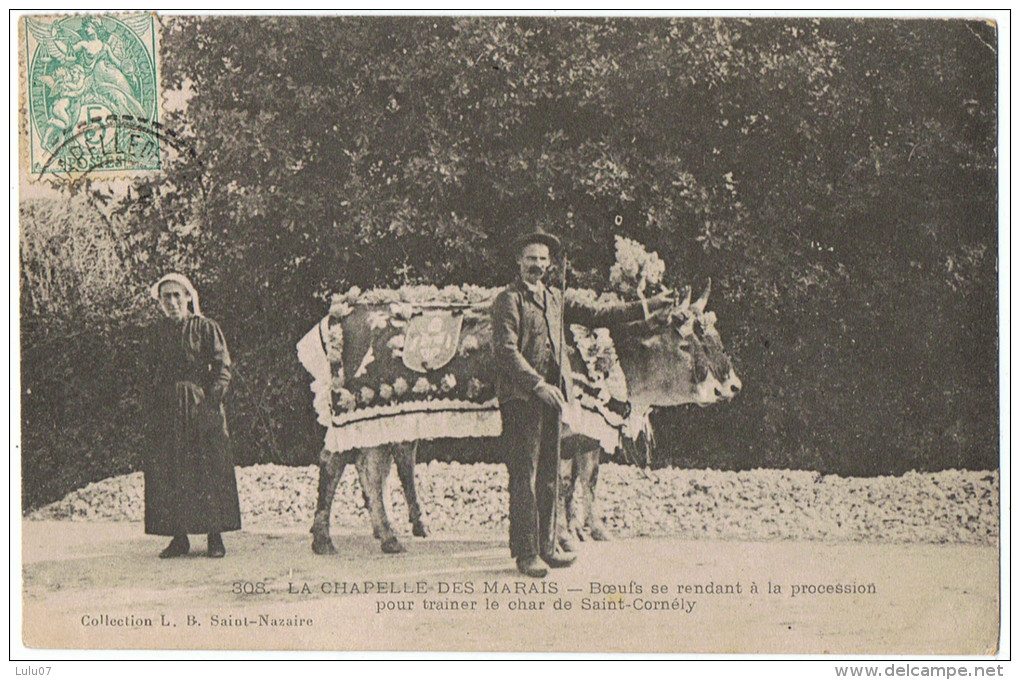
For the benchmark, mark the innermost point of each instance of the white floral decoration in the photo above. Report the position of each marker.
(422, 386)
(635, 268)
(366, 395)
(365, 361)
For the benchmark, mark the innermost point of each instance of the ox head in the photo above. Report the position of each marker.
(719, 361)
(676, 357)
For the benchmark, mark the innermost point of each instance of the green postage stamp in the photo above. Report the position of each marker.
(91, 96)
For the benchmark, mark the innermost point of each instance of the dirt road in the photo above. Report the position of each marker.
(100, 585)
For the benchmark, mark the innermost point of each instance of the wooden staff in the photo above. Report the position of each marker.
(562, 355)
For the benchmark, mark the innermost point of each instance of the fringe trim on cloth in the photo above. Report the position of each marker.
(407, 427)
(393, 427)
(581, 421)
(411, 408)
(311, 351)
(636, 423)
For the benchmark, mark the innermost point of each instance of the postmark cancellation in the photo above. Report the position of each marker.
(90, 95)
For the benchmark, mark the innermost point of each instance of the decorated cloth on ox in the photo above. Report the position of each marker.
(416, 363)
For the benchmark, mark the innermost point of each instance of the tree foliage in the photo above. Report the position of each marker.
(835, 178)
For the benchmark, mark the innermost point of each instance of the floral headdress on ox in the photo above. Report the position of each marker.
(182, 280)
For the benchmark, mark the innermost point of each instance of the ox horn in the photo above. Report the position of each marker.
(687, 329)
(686, 301)
(699, 304)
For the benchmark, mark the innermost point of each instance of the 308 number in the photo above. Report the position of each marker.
(249, 588)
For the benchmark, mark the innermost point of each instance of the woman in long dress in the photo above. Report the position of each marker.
(190, 486)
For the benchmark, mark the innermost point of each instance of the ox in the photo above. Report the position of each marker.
(672, 358)
(652, 387)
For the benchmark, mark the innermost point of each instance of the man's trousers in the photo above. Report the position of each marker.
(531, 445)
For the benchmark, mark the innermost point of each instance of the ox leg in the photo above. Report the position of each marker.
(405, 457)
(367, 503)
(590, 479)
(577, 509)
(331, 468)
(566, 535)
(373, 471)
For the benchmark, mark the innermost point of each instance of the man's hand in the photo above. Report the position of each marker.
(550, 396)
(664, 299)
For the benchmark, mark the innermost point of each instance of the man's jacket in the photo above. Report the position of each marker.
(528, 329)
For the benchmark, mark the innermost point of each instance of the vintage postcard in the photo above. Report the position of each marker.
(682, 334)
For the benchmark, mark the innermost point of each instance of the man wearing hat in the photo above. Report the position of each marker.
(532, 385)
(190, 486)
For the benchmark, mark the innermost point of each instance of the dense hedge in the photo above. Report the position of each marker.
(836, 179)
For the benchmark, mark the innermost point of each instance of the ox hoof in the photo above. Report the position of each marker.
(600, 533)
(419, 529)
(575, 530)
(567, 544)
(392, 546)
(323, 545)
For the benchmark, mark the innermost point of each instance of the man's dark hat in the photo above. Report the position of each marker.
(539, 236)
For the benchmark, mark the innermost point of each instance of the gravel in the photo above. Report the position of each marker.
(951, 506)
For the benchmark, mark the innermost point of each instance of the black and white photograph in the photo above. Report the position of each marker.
(501, 334)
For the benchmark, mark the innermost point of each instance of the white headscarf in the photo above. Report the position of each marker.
(183, 281)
